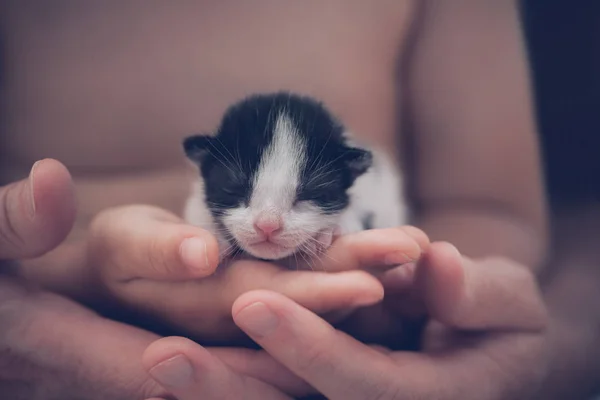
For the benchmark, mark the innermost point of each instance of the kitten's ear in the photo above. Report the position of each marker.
(358, 161)
(196, 147)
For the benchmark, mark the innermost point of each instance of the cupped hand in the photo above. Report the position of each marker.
(51, 347)
(485, 341)
(152, 262)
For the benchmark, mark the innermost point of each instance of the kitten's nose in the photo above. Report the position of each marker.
(267, 226)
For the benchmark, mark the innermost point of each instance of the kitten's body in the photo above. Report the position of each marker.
(281, 177)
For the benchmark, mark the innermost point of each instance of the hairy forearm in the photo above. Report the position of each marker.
(23, 374)
(52, 348)
(486, 231)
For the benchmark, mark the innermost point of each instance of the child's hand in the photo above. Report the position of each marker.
(151, 261)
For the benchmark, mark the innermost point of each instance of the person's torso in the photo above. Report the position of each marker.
(112, 88)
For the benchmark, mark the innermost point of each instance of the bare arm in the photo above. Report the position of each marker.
(478, 179)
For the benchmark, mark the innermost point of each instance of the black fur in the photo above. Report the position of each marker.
(229, 159)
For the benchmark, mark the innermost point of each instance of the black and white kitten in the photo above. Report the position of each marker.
(280, 177)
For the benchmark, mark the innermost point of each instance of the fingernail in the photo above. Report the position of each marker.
(367, 299)
(176, 372)
(397, 258)
(453, 249)
(32, 206)
(257, 320)
(194, 254)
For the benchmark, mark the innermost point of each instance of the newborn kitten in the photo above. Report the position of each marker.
(280, 178)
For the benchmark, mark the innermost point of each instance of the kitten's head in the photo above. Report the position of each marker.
(276, 173)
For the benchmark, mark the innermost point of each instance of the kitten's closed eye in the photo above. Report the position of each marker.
(233, 193)
(233, 189)
(324, 190)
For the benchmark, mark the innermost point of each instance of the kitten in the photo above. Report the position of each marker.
(280, 177)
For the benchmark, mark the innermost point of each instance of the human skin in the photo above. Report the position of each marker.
(463, 123)
(452, 112)
(52, 347)
(464, 345)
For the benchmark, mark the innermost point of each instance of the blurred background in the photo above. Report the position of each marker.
(564, 44)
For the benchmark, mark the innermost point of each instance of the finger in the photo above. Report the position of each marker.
(318, 291)
(487, 294)
(260, 365)
(400, 278)
(342, 368)
(37, 213)
(203, 307)
(374, 248)
(190, 372)
(335, 364)
(146, 242)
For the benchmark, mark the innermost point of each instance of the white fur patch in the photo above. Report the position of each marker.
(273, 196)
(380, 193)
(278, 176)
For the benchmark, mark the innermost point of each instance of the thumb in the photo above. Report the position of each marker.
(37, 213)
(492, 293)
(141, 241)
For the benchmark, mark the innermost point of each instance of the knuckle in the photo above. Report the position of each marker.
(316, 356)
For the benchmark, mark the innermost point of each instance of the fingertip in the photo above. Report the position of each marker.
(156, 352)
(253, 297)
(441, 277)
(418, 235)
(169, 347)
(442, 254)
(376, 248)
(41, 209)
(372, 289)
(199, 254)
(53, 191)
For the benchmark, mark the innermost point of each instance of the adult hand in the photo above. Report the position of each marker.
(154, 263)
(51, 347)
(485, 341)
(36, 213)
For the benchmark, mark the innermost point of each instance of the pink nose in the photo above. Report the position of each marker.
(268, 227)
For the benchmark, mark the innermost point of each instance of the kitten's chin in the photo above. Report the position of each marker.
(269, 251)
